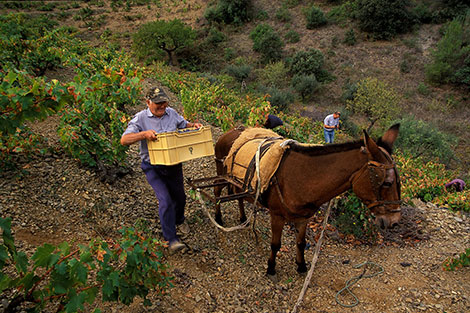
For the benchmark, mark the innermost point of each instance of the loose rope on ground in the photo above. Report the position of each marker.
(354, 280)
(314, 259)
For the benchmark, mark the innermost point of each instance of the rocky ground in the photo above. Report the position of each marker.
(57, 200)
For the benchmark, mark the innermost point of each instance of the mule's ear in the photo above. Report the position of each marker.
(388, 139)
(372, 148)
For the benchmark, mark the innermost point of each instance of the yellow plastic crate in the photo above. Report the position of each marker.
(183, 145)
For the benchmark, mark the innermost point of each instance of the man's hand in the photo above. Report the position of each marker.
(150, 135)
(197, 125)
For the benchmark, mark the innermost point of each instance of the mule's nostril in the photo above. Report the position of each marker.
(394, 225)
(382, 223)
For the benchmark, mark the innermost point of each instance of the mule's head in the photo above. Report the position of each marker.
(377, 183)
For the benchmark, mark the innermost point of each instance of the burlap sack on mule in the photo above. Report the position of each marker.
(244, 149)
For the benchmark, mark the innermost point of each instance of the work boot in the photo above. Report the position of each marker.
(176, 246)
(183, 228)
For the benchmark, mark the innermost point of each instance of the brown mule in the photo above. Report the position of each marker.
(310, 176)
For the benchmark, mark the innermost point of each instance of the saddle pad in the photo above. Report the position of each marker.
(243, 151)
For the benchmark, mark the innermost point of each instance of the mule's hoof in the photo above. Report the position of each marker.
(242, 220)
(273, 278)
(301, 268)
(219, 221)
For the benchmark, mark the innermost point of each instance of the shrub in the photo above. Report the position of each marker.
(419, 178)
(451, 59)
(262, 15)
(229, 54)
(283, 14)
(315, 17)
(267, 42)
(70, 278)
(351, 217)
(305, 85)
(341, 14)
(350, 37)
(279, 99)
(292, 36)
(229, 12)
(154, 39)
(274, 74)
(308, 62)
(91, 127)
(27, 44)
(376, 100)
(423, 89)
(384, 18)
(420, 139)
(239, 72)
(462, 260)
(215, 37)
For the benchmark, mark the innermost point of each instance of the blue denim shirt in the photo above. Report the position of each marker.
(145, 120)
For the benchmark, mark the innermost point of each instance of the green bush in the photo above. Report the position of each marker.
(376, 100)
(305, 85)
(229, 12)
(308, 62)
(267, 42)
(279, 99)
(384, 19)
(27, 44)
(350, 37)
(274, 74)
(283, 14)
(351, 217)
(239, 72)
(315, 17)
(215, 37)
(463, 260)
(91, 126)
(61, 276)
(292, 36)
(420, 139)
(451, 59)
(341, 14)
(154, 39)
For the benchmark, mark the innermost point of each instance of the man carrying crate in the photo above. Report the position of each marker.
(166, 181)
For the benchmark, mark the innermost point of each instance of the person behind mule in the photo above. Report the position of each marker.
(330, 124)
(166, 181)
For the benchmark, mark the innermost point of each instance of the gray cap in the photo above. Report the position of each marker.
(157, 95)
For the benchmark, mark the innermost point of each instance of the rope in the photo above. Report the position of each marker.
(314, 259)
(229, 229)
(253, 212)
(354, 280)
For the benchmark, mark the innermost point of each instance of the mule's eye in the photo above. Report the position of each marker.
(387, 184)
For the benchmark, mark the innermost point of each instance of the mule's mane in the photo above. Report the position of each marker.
(325, 149)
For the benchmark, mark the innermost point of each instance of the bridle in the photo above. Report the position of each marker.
(373, 168)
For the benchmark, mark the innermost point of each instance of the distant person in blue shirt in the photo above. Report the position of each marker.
(272, 121)
(330, 124)
(166, 181)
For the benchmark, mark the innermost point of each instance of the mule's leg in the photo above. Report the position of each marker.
(241, 206)
(277, 224)
(301, 228)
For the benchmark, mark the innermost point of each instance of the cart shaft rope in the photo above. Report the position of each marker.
(253, 212)
(314, 259)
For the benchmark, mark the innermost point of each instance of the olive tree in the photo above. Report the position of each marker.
(376, 100)
(154, 39)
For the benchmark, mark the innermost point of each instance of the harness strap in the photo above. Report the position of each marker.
(250, 171)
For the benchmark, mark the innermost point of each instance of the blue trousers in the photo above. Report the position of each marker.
(329, 135)
(167, 183)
